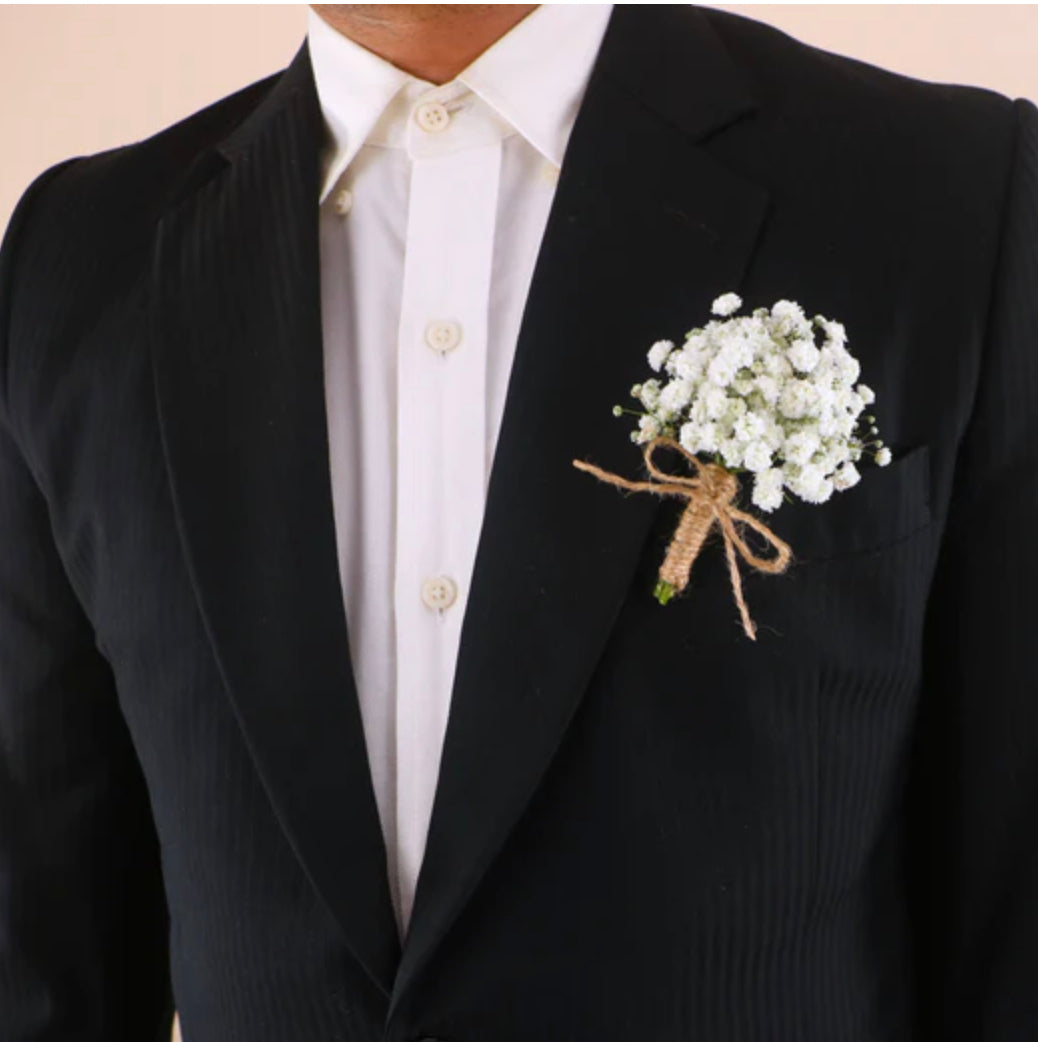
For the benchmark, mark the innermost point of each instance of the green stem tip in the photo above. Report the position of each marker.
(664, 591)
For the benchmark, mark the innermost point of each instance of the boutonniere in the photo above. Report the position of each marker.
(773, 396)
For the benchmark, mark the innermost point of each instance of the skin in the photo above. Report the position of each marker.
(431, 41)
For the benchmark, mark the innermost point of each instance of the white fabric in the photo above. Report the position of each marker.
(442, 224)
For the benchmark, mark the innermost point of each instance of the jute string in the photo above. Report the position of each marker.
(710, 494)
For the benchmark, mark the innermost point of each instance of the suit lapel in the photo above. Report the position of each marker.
(646, 228)
(239, 383)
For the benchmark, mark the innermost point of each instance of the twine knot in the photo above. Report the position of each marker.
(710, 492)
(718, 485)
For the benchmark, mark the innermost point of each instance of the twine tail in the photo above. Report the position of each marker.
(685, 544)
(748, 625)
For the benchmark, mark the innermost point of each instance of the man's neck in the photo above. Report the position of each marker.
(431, 41)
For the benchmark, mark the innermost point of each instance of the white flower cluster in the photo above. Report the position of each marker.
(773, 394)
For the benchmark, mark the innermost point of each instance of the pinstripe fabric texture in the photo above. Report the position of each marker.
(645, 827)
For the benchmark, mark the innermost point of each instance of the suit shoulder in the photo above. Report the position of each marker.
(795, 79)
(80, 229)
(943, 148)
(112, 195)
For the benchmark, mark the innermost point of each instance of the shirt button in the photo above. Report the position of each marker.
(432, 116)
(343, 202)
(439, 592)
(443, 336)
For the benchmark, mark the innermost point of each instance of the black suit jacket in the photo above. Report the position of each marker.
(647, 828)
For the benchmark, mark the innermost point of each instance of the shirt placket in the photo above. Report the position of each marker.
(441, 450)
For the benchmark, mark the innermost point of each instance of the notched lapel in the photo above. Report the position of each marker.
(646, 228)
(239, 384)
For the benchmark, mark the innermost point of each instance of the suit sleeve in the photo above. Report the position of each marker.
(83, 922)
(974, 821)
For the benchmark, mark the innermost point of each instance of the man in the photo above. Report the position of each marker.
(221, 721)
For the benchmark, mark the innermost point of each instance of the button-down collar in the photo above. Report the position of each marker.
(533, 77)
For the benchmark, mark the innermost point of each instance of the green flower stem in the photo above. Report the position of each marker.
(664, 591)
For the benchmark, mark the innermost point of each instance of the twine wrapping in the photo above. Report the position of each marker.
(710, 494)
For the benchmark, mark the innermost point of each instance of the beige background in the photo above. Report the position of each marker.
(78, 79)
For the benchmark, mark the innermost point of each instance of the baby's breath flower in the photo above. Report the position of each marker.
(798, 399)
(721, 370)
(819, 493)
(787, 319)
(739, 350)
(803, 355)
(715, 401)
(648, 393)
(833, 454)
(688, 435)
(658, 353)
(801, 445)
(699, 437)
(847, 476)
(774, 435)
(648, 428)
(835, 333)
(736, 407)
(696, 342)
(726, 304)
(776, 364)
(732, 451)
(811, 484)
(748, 427)
(769, 388)
(767, 489)
(851, 367)
(757, 392)
(757, 457)
(675, 396)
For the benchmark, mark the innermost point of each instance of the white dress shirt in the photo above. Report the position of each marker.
(433, 208)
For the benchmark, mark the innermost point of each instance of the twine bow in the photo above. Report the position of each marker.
(710, 493)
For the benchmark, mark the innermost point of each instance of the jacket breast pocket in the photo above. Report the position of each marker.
(888, 504)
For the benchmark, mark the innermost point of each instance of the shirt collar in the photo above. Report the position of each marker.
(533, 77)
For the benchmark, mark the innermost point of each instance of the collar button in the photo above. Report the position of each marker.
(432, 116)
